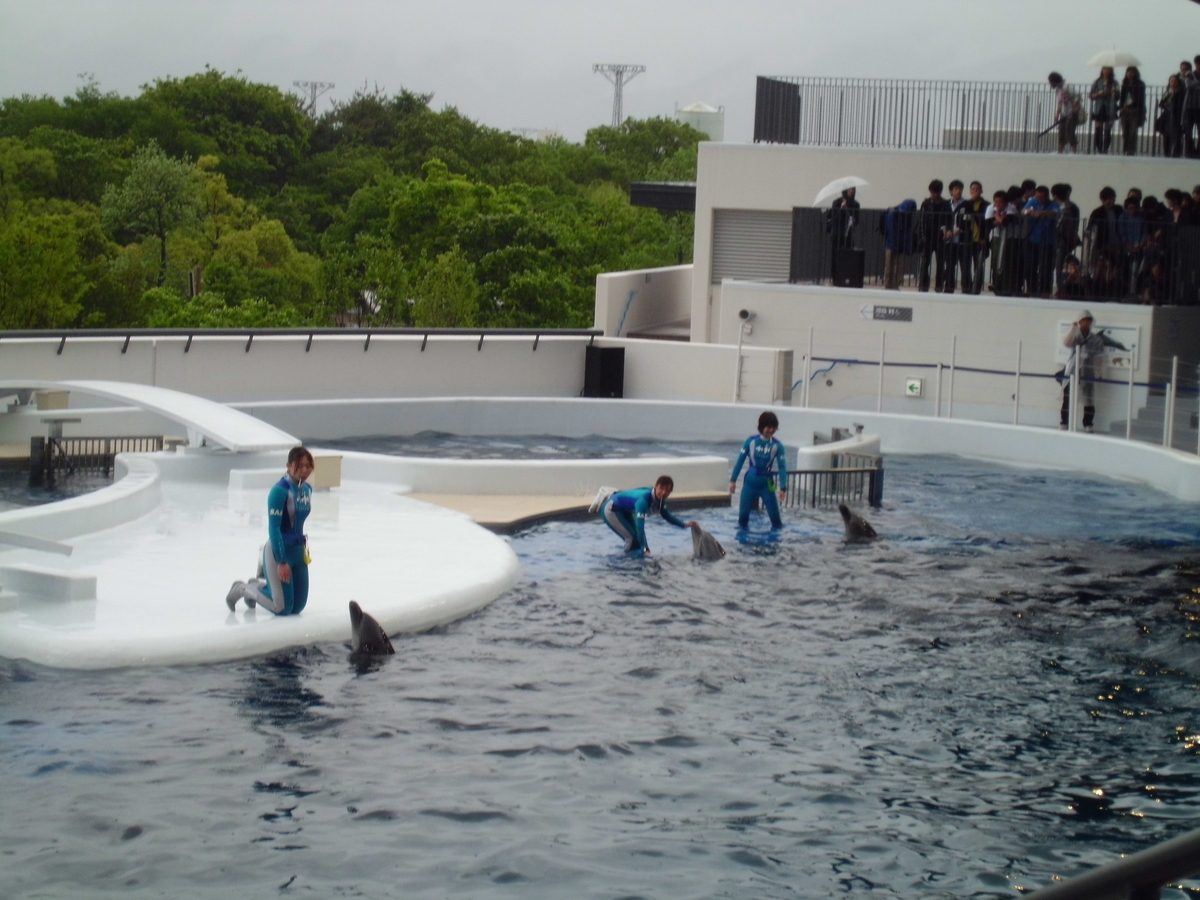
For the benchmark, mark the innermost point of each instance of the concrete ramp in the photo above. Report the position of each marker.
(218, 423)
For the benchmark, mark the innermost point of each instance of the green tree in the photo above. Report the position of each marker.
(257, 131)
(640, 145)
(83, 165)
(159, 196)
(41, 277)
(446, 293)
(169, 309)
(23, 171)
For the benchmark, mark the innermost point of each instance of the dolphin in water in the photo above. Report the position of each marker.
(857, 528)
(704, 545)
(367, 637)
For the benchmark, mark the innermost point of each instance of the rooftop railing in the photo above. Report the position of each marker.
(1003, 116)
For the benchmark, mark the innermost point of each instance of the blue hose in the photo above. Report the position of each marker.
(628, 303)
(828, 368)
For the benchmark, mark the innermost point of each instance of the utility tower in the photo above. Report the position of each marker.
(313, 89)
(621, 74)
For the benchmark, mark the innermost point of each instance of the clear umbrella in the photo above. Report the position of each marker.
(1114, 58)
(835, 188)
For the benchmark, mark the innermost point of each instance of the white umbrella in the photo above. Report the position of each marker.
(835, 188)
(1114, 58)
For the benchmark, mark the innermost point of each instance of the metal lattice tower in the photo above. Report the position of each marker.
(621, 74)
(314, 89)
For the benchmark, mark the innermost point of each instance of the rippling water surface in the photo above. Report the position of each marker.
(1002, 690)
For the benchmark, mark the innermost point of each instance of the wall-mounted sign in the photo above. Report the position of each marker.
(887, 313)
(1121, 344)
(913, 387)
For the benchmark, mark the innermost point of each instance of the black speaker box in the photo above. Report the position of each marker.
(604, 372)
(848, 267)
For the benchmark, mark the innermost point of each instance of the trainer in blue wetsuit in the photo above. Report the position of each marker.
(625, 513)
(767, 462)
(282, 582)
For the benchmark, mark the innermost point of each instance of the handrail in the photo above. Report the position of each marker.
(1137, 877)
(60, 333)
(1160, 385)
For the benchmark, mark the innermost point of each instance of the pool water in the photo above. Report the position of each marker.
(16, 491)
(1002, 689)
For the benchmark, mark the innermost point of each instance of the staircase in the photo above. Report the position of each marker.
(1148, 426)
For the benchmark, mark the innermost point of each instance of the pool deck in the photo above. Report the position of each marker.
(510, 513)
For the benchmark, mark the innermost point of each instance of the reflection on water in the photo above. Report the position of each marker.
(1002, 689)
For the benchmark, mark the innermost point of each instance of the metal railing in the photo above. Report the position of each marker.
(363, 334)
(1153, 262)
(1171, 379)
(934, 115)
(852, 479)
(1137, 877)
(52, 458)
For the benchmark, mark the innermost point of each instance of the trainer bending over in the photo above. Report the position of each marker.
(625, 513)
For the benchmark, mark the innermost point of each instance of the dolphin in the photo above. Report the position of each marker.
(857, 528)
(704, 545)
(367, 637)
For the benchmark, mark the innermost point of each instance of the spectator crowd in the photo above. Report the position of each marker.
(1032, 240)
(1175, 114)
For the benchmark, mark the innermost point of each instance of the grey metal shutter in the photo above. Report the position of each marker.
(751, 244)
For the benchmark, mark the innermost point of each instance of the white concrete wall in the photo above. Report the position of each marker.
(221, 368)
(1171, 471)
(986, 332)
(676, 370)
(279, 368)
(779, 177)
(659, 297)
(555, 477)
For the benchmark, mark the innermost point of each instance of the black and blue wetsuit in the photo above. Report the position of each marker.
(288, 505)
(768, 461)
(625, 513)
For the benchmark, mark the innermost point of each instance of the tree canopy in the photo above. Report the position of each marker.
(213, 200)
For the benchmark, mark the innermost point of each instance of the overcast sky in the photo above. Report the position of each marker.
(528, 63)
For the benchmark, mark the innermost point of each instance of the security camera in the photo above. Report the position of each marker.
(746, 316)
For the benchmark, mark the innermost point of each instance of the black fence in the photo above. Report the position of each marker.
(938, 115)
(53, 458)
(1136, 261)
(853, 479)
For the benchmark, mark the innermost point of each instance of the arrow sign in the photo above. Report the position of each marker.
(867, 312)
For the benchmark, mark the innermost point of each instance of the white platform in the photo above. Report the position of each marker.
(161, 580)
(218, 423)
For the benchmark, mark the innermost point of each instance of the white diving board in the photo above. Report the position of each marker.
(218, 423)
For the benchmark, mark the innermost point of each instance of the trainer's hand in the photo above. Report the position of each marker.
(691, 523)
(783, 495)
(732, 486)
(285, 573)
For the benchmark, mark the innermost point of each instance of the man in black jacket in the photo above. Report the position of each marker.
(1132, 109)
(1066, 232)
(1102, 229)
(934, 215)
(840, 223)
(1191, 106)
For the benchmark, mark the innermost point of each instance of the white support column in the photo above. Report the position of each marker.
(937, 401)
(737, 366)
(1169, 406)
(1017, 389)
(953, 360)
(882, 348)
(1073, 407)
(1129, 403)
(808, 367)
